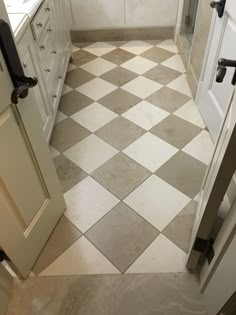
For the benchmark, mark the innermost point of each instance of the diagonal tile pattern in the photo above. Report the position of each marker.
(69, 173)
(179, 230)
(121, 175)
(120, 133)
(176, 131)
(130, 149)
(72, 102)
(63, 236)
(127, 236)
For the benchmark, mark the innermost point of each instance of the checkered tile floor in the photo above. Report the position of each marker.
(131, 150)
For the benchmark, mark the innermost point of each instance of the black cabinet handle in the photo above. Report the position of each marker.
(21, 83)
(222, 70)
(219, 6)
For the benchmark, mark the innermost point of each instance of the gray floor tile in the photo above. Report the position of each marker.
(69, 173)
(176, 131)
(162, 74)
(66, 134)
(119, 76)
(83, 44)
(73, 101)
(157, 54)
(122, 235)
(81, 57)
(184, 173)
(117, 43)
(63, 236)
(120, 101)
(120, 133)
(78, 77)
(159, 294)
(153, 42)
(168, 99)
(118, 56)
(121, 175)
(180, 229)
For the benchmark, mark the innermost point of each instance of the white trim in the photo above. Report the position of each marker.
(179, 18)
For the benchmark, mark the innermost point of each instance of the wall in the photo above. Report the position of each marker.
(100, 14)
(202, 28)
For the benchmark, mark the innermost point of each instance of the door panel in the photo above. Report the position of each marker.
(213, 97)
(31, 200)
(13, 150)
(223, 91)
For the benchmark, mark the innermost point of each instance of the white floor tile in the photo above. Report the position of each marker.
(91, 153)
(142, 87)
(82, 258)
(99, 48)
(53, 151)
(94, 116)
(75, 48)
(96, 88)
(139, 65)
(59, 117)
(71, 67)
(136, 47)
(145, 115)
(157, 201)
(150, 151)
(175, 63)
(162, 256)
(181, 85)
(88, 202)
(169, 44)
(66, 89)
(190, 112)
(98, 66)
(201, 147)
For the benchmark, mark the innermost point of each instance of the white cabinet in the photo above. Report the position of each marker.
(45, 50)
(31, 67)
(92, 14)
(151, 12)
(95, 14)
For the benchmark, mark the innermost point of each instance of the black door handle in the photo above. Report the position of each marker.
(222, 70)
(219, 6)
(21, 83)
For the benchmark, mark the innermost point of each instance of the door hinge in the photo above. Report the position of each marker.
(3, 256)
(206, 248)
(187, 20)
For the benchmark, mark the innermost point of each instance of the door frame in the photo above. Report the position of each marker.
(223, 241)
(217, 179)
(222, 286)
(6, 284)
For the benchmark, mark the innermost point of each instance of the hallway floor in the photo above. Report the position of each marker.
(131, 151)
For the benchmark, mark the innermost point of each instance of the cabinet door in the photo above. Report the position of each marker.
(31, 65)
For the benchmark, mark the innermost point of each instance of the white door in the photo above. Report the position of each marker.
(215, 185)
(213, 98)
(31, 201)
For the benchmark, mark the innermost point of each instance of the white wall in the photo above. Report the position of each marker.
(95, 14)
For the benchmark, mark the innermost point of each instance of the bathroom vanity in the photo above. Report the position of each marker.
(44, 46)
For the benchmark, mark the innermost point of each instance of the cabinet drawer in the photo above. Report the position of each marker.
(40, 20)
